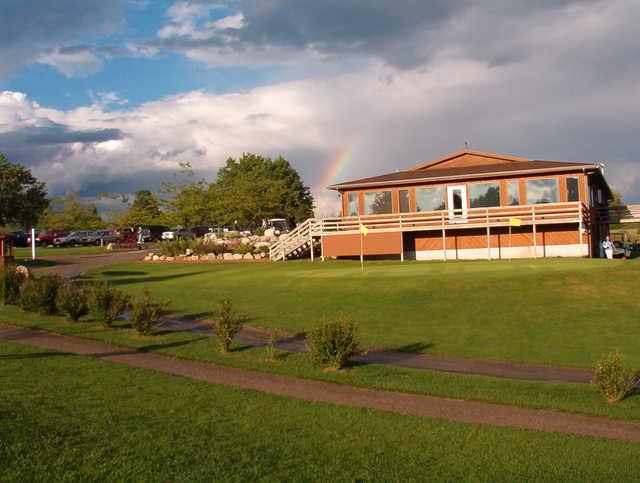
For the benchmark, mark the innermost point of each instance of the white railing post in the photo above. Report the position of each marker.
(535, 236)
(488, 235)
(444, 238)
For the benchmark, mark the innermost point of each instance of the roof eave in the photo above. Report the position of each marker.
(492, 174)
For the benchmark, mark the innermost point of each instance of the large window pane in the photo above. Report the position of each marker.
(377, 202)
(573, 192)
(429, 199)
(353, 205)
(542, 191)
(403, 198)
(513, 193)
(484, 194)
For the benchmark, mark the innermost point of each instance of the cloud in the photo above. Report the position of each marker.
(557, 82)
(39, 30)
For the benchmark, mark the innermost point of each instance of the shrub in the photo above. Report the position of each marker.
(226, 325)
(71, 301)
(612, 379)
(331, 344)
(10, 282)
(145, 313)
(243, 249)
(106, 303)
(271, 344)
(39, 294)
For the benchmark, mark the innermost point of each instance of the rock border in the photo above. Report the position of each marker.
(208, 258)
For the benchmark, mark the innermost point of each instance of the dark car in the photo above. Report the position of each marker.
(153, 233)
(19, 238)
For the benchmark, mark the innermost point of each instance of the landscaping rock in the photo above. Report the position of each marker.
(194, 258)
(169, 259)
(247, 256)
(148, 258)
(188, 252)
(244, 240)
(155, 258)
(163, 258)
(211, 256)
(237, 256)
(228, 256)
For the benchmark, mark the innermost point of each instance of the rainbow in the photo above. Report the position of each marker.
(338, 165)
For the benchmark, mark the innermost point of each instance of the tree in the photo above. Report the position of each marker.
(22, 197)
(72, 213)
(145, 210)
(185, 200)
(256, 187)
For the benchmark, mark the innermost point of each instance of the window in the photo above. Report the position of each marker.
(352, 209)
(483, 195)
(573, 192)
(429, 199)
(377, 203)
(542, 191)
(513, 193)
(403, 198)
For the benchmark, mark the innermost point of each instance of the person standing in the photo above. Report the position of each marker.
(140, 238)
(607, 246)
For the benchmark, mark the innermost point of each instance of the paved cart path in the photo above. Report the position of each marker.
(71, 266)
(504, 369)
(394, 402)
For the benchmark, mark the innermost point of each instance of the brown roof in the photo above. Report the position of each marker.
(483, 171)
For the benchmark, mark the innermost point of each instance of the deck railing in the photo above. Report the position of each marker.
(543, 214)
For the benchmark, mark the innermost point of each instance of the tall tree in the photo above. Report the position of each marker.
(72, 213)
(22, 197)
(145, 210)
(255, 187)
(185, 200)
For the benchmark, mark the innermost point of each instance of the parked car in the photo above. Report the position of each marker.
(153, 233)
(79, 238)
(106, 236)
(45, 238)
(177, 234)
(19, 238)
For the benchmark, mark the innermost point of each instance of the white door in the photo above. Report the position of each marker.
(457, 202)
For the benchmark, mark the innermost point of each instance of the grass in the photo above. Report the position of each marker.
(578, 398)
(553, 311)
(25, 253)
(70, 418)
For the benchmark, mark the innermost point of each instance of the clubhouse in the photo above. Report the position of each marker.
(471, 205)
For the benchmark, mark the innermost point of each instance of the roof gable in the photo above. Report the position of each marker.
(465, 159)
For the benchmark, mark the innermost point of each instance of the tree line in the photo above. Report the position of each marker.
(244, 192)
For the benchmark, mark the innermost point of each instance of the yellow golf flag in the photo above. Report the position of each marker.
(363, 229)
(515, 222)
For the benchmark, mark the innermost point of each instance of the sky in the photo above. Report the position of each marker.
(110, 96)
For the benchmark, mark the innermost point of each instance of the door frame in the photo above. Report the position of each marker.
(453, 216)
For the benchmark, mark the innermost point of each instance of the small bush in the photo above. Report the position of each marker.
(612, 379)
(39, 294)
(10, 282)
(106, 303)
(331, 344)
(71, 301)
(243, 249)
(226, 325)
(274, 334)
(145, 313)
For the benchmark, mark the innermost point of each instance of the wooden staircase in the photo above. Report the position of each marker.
(301, 242)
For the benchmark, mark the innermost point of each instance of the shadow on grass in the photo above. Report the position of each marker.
(168, 345)
(36, 355)
(123, 273)
(415, 347)
(38, 263)
(136, 280)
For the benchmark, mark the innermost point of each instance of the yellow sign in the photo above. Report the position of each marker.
(363, 229)
(515, 222)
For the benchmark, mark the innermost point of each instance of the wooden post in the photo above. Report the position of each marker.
(311, 242)
(580, 241)
(509, 242)
(401, 241)
(444, 240)
(361, 250)
(488, 236)
(535, 241)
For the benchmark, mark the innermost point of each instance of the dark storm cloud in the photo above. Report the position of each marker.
(53, 133)
(404, 34)
(33, 27)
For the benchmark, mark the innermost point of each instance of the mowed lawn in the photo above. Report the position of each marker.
(555, 311)
(71, 418)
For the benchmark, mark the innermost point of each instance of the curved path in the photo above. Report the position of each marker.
(395, 402)
(480, 367)
(71, 266)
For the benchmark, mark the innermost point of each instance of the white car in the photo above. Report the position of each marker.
(177, 234)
